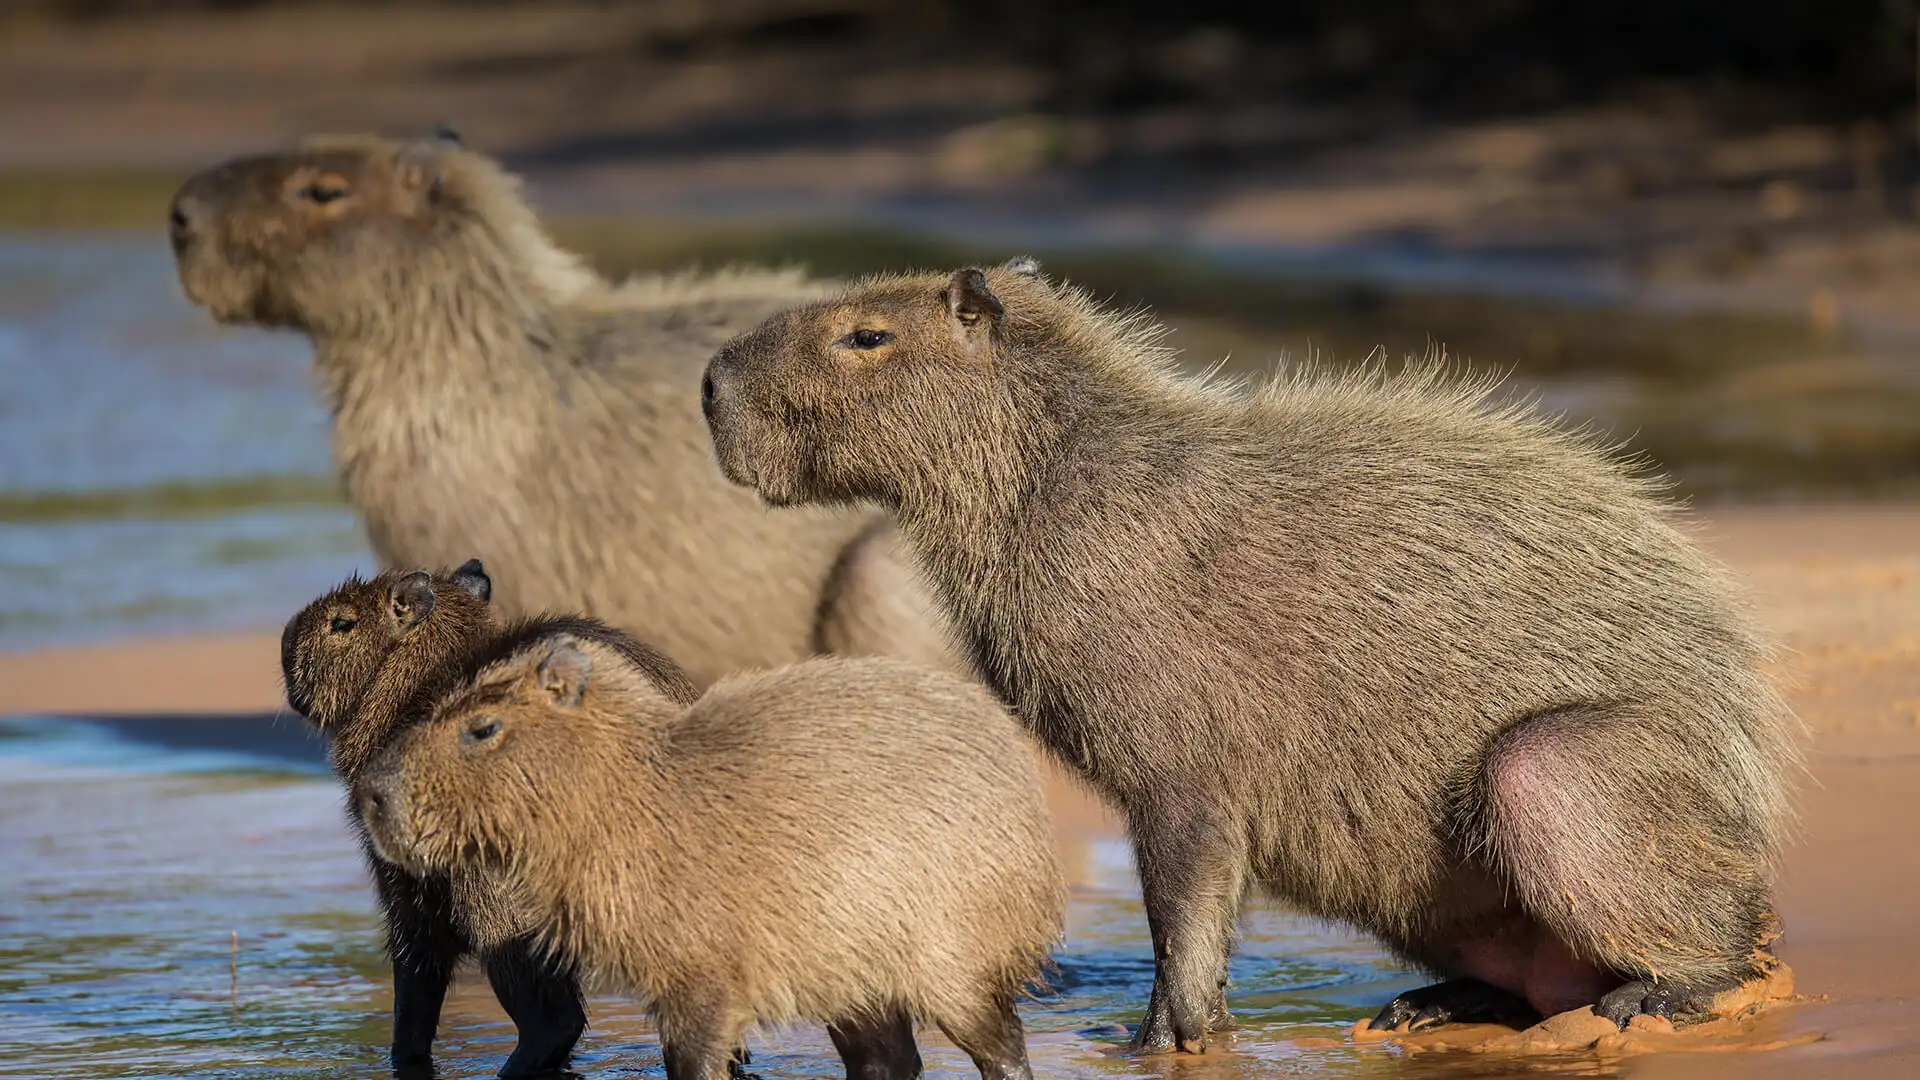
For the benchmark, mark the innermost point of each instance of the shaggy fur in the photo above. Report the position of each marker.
(1444, 671)
(491, 394)
(351, 661)
(857, 842)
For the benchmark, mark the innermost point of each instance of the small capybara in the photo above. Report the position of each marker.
(492, 395)
(1446, 671)
(862, 843)
(352, 660)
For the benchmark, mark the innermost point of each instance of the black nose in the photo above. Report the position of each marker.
(706, 396)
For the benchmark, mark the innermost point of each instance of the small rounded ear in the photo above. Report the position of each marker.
(445, 132)
(410, 599)
(565, 671)
(419, 170)
(974, 312)
(472, 577)
(1024, 265)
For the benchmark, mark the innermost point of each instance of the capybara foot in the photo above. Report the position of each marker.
(1463, 1001)
(1160, 1032)
(1676, 1001)
(1219, 1017)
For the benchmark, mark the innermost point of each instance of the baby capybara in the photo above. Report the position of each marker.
(1445, 671)
(862, 843)
(351, 661)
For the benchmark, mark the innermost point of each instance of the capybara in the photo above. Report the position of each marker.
(1444, 670)
(859, 842)
(352, 660)
(492, 395)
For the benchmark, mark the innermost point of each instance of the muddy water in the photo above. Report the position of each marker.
(191, 905)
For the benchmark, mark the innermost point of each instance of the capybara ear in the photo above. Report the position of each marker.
(1025, 266)
(446, 133)
(472, 577)
(410, 599)
(418, 170)
(565, 671)
(975, 312)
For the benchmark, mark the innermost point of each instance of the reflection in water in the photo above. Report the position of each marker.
(135, 865)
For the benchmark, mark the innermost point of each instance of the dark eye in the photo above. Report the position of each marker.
(343, 623)
(865, 339)
(322, 194)
(482, 731)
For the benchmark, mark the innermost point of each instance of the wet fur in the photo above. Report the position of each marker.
(856, 842)
(1363, 642)
(492, 395)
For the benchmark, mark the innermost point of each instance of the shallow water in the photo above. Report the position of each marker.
(191, 905)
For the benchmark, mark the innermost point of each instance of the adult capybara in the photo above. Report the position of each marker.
(861, 843)
(1445, 671)
(492, 395)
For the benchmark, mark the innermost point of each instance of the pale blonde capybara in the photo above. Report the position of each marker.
(1445, 671)
(862, 843)
(492, 395)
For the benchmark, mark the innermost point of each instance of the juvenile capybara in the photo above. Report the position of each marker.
(862, 843)
(1445, 671)
(352, 660)
(492, 395)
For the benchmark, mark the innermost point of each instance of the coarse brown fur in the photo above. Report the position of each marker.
(856, 842)
(354, 660)
(1446, 671)
(492, 395)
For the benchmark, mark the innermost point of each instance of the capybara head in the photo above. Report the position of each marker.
(829, 402)
(505, 756)
(331, 651)
(328, 236)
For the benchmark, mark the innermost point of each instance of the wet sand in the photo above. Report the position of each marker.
(1840, 584)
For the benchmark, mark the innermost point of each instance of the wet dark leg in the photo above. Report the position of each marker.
(1454, 1001)
(1678, 1001)
(877, 1046)
(543, 998)
(1191, 877)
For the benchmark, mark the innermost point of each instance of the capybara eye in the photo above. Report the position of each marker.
(482, 731)
(866, 339)
(322, 194)
(343, 623)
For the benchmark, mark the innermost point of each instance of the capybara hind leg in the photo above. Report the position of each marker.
(543, 1000)
(698, 1038)
(873, 604)
(991, 1035)
(1666, 998)
(1468, 1001)
(877, 1046)
(1626, 842)
(1192, 877)
(425, 947)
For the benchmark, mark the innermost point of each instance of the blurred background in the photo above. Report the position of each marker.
(1689, 223)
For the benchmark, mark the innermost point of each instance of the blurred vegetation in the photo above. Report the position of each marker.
(1849, 56)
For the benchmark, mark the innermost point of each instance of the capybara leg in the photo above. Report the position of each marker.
(874, 604)
(1679, 1001)
(543, 999)
(877, 1046)
(425, 947)
(699, 1037)
(1192, 878)
(991, 1035)
(1625, 841)
(1456, 1000)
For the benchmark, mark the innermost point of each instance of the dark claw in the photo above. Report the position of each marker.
(1454, 1001)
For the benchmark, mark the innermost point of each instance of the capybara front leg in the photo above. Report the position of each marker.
(543, 999)
(1191, 877)
(699, 1037)
(877, 1046)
